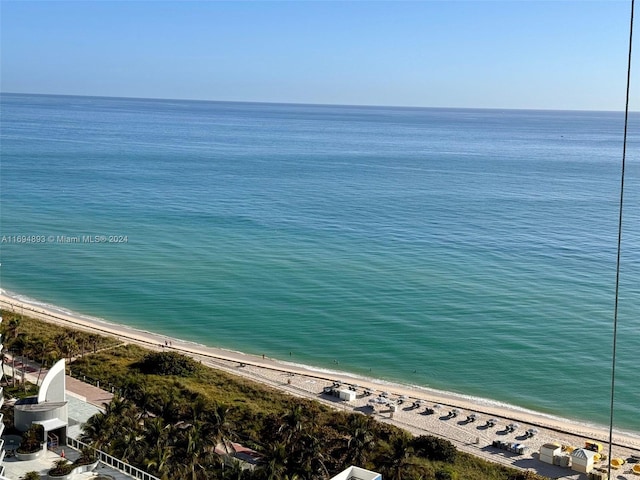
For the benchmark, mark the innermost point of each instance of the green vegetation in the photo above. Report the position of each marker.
(168, 363)
(435, 448)
(171, 414)
(30, 476)
(45, 343)
(61, 468)
(32, 440)
(20, 391)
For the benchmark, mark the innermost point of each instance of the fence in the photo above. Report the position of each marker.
(112, 461)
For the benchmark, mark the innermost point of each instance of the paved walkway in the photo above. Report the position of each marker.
(89, 393)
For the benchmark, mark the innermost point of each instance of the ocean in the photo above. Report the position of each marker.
(472, 251)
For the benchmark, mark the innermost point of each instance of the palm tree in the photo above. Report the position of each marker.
(309, 456)
(13, 327)
(361, 441)
(218, 426)
(194, 439)
(97, 431)
(70, 347)
(144, 400)
(292, 424)
(87, 455)
(22, 346)
(20, 343)
(197, 451)
(233, 470)
(67, 343)
(156, 439)
(156, 432)
(40, 349)
(158, 460)
(118, 407)
(275, 462)
(398, 458)
(93, 339)
(196, 447)
(126, 444)
(198, 408)
(171, 410)
(103, 428)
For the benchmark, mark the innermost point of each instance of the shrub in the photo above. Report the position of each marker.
(87, 456)
(30, 476)
(168, 363)
(61, 467)
(447, 473)
(435, 448)
(32, 439)
(528, 475)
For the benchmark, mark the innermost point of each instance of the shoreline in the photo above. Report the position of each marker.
(308, 379)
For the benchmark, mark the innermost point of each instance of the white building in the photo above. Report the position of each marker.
(48, 408)
(548, 451)
(357, 473)
(582, 460)
(347, 395)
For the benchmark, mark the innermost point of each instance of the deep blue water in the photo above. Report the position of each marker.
(467, 250)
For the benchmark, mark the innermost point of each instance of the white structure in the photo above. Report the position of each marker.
(357, 473)
(48, 409)
(347, 395)
(582, 460)
(548, 451)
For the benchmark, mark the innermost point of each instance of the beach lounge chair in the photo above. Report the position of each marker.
(617, 463)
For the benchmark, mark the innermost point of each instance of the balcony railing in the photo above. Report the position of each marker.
(112, 461)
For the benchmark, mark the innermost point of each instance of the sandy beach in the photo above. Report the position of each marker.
(475, 437)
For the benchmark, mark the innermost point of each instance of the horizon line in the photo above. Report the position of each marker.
(415, 107)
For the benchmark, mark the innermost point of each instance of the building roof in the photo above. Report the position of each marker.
(52, 424)
(39, 407)
(583, 453)
(240, 452)
(357, 473)
(550, 446)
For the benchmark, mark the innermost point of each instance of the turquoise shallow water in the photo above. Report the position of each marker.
(466, 250)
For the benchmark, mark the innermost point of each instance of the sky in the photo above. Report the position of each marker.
(561, 55)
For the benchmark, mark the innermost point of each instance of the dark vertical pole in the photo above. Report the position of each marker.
(615, 311)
